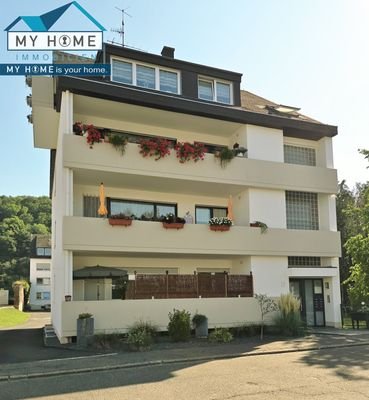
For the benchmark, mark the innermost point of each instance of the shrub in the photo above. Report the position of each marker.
(288, 321)
(119, 142)
(84, 315)
(141, 335)
(198, 319)
(220, 335)
(246, 330)
(179, 327)
(106, 341)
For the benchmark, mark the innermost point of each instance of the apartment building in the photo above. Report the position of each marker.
(286, 180)
(40, 273)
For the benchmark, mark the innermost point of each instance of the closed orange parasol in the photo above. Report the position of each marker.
(102, 209)
(230, 208)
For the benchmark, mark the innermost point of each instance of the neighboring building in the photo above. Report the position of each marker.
(287, 181)
(40, 273)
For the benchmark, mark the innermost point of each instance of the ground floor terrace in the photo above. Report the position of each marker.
(121, 289)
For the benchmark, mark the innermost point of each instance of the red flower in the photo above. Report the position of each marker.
(187, 151)
(158, 148)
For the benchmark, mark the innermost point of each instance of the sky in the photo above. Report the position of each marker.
(310, 54)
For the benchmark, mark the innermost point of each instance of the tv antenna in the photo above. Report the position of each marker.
(120, 30)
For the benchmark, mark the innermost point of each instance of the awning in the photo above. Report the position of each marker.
(99, 272)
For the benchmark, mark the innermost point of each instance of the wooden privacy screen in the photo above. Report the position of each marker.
(146, 286)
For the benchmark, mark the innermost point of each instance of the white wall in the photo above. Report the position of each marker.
(118, 315)
(62, 205)
(268, 206)
(325, 153)
(270, 275)
(265, 143)
(4, 297)
(327, 212)
(332, 301)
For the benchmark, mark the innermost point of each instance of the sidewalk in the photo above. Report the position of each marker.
(181, 353)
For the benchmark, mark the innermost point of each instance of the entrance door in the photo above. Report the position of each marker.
(310, 293)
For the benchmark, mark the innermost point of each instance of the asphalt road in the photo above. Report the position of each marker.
(25, 343)
(326, 374)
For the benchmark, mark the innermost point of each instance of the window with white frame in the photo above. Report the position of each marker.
(43, 281)
(214, 90)
(42, 267)
(43, 295)
(146, 76)
(299, 155)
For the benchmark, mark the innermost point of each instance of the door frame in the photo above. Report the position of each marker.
(301, 282)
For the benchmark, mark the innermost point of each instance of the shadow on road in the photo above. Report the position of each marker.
(344, 362)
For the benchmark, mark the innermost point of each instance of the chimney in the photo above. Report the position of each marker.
(168, 52)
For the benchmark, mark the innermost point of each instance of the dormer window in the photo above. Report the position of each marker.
(214, 90)
(145, 76)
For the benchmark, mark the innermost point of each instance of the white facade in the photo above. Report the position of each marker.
(259, 186)
(40, 280)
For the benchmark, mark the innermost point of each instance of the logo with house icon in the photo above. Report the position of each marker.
(69, 27)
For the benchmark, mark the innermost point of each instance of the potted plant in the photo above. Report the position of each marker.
(158, 148)
(190, 151)
(200, 323)
(239, 151)
(93, 135)
(171, 221)
(85, 329)
(120, 219)
(119, 142)
(258, 224)
(225, 156)
(220, 224)
(78, 128)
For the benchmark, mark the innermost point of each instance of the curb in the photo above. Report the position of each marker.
(174, 361)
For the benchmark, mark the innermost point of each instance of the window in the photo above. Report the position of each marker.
(122, 72)
(223, 92)
(203, 214)
(213, 90)
(146, 76)
(302, 210)
(90, 206)
(42, 267)
(206, 91)
(43, 251)
(141, 209)
(300, 261)
(43, 295)
(299, 155)
(168, 81)
(43, 281)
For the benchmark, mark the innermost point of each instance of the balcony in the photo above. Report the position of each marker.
(96, 235)
(104, 163)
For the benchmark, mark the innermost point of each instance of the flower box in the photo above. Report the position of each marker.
(121, 222)
(173, 225)
(221, 228)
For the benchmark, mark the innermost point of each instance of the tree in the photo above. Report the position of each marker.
(267, 305)
(357, 246)
(20, 218)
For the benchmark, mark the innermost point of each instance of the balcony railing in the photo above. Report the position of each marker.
(147, 286)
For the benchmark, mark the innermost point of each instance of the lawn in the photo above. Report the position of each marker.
(12, 317)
